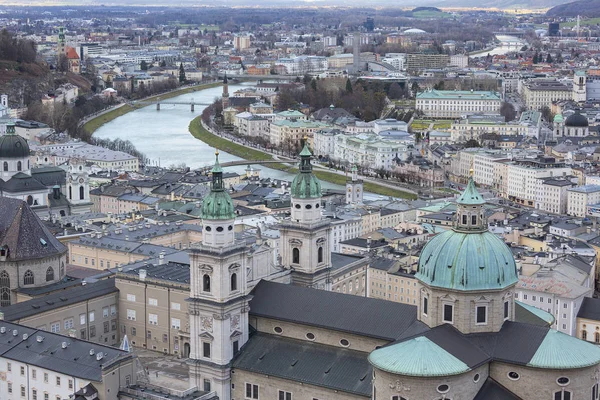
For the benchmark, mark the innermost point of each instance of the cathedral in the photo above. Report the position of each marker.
(467, 338)
(43, 187)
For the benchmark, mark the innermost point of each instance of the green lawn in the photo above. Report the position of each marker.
(423, 124)
(198, 131)
(92, 125)
(583, 22)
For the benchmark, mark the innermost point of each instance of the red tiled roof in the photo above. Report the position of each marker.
(72, 54)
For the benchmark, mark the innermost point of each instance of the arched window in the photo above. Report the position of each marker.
(320, 254)
(4, 289)
(81, 194)
(233, 282)
(296, 255)
(49, 274)
(28, 278)
(597, 337)
(70, 193)
(5, 167)
(30, 200)
(562, 395)
(19, 165)
(206, 283)
(584, 335)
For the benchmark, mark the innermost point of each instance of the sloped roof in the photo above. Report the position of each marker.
(492, 390)
(24, 234)
(72, 53)
(560, 351)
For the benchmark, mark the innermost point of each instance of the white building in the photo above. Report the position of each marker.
(579, 198)
(248, 124)
(324, 142)
(372, 152)
(397, 60)
(553, 195)
(304, 65)
(454, 104)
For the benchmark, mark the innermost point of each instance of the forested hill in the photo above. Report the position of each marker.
(585, 8)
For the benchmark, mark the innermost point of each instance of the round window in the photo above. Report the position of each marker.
(476, 378)
(344, 343)
(513, 375)
(229, 227)
(277, 329)
(207, 228)
(317, 205)
(220, 229)
(563, 381)
(308, 206)
(443, 388)
(298, 206)
(310, 336)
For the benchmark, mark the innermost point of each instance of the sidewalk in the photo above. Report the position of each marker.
(172, 371)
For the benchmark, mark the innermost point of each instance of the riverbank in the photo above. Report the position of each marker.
(201, 133)
(93, 124)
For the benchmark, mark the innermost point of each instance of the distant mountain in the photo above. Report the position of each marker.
(585, 8)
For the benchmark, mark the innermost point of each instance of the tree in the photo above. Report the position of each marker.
(63, 63)
(547, 113)
(163, 63)
(181, 73)
(472, 143)
(144, 65)
(348, 86)
(507, 110)
(549, 59)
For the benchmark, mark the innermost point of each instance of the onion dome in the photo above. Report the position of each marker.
(13, 145)
(218, 203)
(305, 185)
(468, 257)
(577, 120)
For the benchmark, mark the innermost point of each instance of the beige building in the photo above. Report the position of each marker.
(88, 312)
(453, 104)
(538, 93)
(580, 197)
(285, 130)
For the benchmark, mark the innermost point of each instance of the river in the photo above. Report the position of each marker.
(507, 44)
(163, 135)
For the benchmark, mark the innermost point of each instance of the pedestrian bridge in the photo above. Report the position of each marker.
(158, 102)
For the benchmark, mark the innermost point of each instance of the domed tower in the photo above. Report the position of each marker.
(14, 154)
(218, 303)
(576, 125)
(305, 237)
(467, 274)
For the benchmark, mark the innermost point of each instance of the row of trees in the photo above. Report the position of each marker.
(14, 49)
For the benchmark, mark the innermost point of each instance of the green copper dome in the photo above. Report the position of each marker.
(305, 185)
(218, 203)
(468, 257)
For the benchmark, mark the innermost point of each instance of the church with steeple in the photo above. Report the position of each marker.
(467, 338)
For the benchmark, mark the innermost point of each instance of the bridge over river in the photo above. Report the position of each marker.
(158, 102)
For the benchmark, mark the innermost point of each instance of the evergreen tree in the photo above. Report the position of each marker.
(181, 73)
(144, 65)
(549, 59)
(163, 63)
(348, 86)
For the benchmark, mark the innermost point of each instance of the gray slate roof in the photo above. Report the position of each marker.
(24, 234)
(315, 364)
(359, 315)
(590, 309)
(492, 390)
(74, 360)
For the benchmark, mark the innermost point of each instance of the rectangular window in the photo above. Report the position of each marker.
(153, 319)
(285, 395)
(133, 331)
(33, 374)
(206, 349)
(68, 323)
(506, 310)
(152, 302)
(82, 334)
(176, 306)
(105, 312)
(92, 316)
(58, 381)
(236, 347)
(55, 327)
(82, 319)
(113, 309)
(130, 297)
(207, 385)
(9, 387)
(175, 323)
(71, 384)
(92, 331)
(149, 334)
(22, 391)
(45, 377)
(22, 371)
(106, 327)
(251, 391)
(425, 305)
(165, 338)
(482, 314)
(448, 313)
(34, 394)
(131, 315)
(9, 367)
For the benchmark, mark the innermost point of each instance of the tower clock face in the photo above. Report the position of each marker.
(80, 180)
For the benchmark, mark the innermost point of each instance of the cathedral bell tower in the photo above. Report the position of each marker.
(305, 236)
(218, 303)
(354, 188)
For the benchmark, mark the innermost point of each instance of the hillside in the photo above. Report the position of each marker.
(585, 8)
